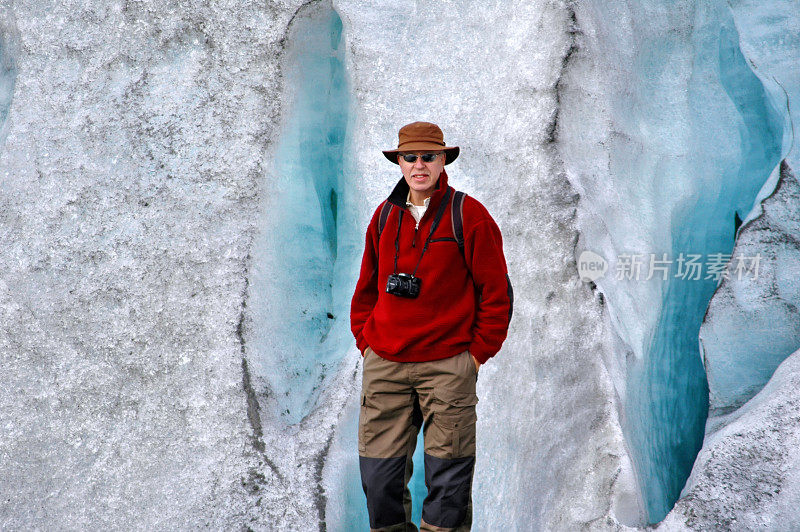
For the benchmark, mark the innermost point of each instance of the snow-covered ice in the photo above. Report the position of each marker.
(185, 189)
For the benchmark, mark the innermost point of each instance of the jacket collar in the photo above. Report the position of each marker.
(400, 193)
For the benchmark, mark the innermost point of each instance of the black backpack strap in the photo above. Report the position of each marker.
(385, 210)
(457, 218)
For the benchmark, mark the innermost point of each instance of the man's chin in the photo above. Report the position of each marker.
(421, 187)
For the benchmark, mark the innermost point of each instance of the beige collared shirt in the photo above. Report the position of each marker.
(417, 211)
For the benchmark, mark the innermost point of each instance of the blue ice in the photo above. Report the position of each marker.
(306, 257)
(8, 75)
(741, 359)
(668, 392)
(300, 320)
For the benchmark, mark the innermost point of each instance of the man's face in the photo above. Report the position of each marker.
(421, 176)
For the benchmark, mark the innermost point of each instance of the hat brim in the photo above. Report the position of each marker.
(450, 152)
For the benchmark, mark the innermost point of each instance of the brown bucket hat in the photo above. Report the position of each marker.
(421, 136)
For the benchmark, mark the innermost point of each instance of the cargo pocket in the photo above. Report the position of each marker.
(452, 434)
(362, 425)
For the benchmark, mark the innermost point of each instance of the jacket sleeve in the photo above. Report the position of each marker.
(366, 292)
(483, 250)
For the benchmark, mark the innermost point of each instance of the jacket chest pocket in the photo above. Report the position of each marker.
(446, 250)
(444, 246)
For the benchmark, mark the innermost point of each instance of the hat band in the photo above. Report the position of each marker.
(418, 141)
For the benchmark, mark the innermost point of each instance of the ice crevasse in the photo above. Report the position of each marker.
(685, 132)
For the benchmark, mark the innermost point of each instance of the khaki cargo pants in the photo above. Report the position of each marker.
(396, 398)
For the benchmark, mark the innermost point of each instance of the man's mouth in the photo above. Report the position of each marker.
(419, 177)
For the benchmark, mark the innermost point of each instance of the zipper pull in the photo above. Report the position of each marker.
(414, 242)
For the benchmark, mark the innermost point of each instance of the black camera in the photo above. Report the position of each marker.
(403, 285)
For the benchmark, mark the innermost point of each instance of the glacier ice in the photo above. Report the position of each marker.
(746, 473)
(8, 74)
(667, 135)
(299, 328)
(747, 477)
(547, 413)
(752, 324)
(130, 173)
(144, 149)
(182, 179)
(740, 360)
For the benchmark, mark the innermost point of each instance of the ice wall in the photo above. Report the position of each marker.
(152, 150)
(130, 177)
(747, 477)
(770, 39)
(299, 329)
(550, 450)
(752, 324)
(667, 134)
(8, 71)
(746, 474)
(296, 332)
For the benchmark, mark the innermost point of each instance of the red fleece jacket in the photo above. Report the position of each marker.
(465, 302)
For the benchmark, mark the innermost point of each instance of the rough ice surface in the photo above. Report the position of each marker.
(747, 477)
(130, 173)
(740, 359)
(299, 328)
(668, 134)
(753, 324)
(550, 449)
(185, 189)
(8, 74)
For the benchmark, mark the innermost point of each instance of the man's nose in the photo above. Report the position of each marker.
(418, 163)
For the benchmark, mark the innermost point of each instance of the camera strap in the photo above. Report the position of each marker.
(434, 225)
(397, 240)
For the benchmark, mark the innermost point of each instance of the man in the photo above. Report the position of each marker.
(425, 314)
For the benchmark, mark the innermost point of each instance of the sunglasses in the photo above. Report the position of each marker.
(426, 157)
